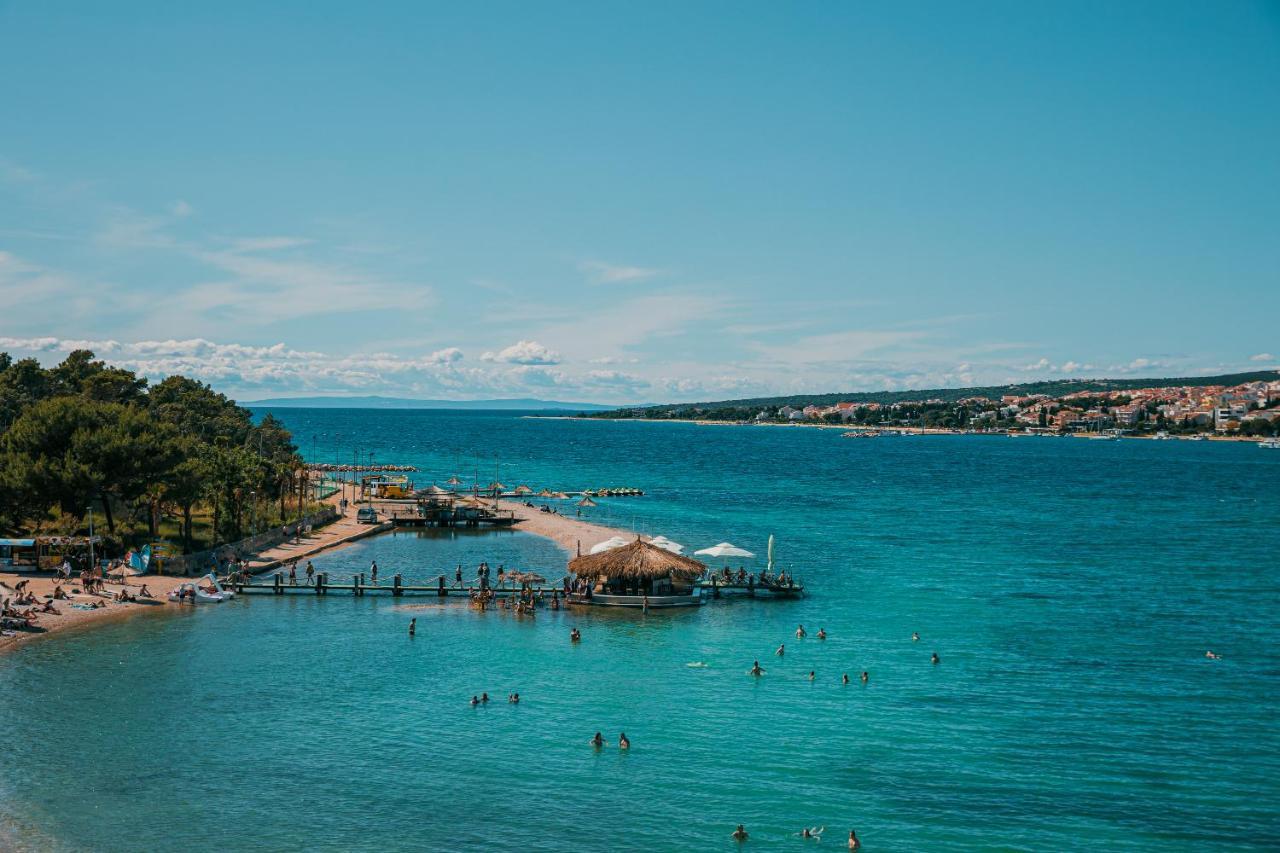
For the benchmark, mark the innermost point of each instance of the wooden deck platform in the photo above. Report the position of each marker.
(395, 586)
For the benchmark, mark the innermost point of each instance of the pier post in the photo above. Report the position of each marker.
(278, 583)
(395, 587)
(440, 590)
(359, 590)
(320, 583)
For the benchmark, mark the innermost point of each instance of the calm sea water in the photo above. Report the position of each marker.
(1070, 587)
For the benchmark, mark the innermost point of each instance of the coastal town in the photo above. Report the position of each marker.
(1247, 409)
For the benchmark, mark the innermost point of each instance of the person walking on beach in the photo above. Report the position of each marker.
(413, 626)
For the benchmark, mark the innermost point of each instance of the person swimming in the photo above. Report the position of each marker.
(598, 741)
(813, 832)
(575, 635)
(822, 633)
(781, 650)
(484, 698)
(756, 670)
(624, 742)
(1213, 655)
(915, 637)
(514, 698)
(854, 843)
(413, 626)
(811, 675)
(740, 834)
(845, 679)
(865, 678)
(935, 658)
(800, 633)
(475, 700)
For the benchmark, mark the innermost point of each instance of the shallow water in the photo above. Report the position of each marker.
(1070, 587)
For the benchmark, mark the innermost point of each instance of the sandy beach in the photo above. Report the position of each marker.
(567, 532)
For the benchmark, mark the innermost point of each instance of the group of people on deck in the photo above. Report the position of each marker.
(742, 576)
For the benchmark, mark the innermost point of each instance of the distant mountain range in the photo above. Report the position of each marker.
(375, 402)
(1051, 387)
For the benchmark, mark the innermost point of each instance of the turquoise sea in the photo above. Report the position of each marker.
(1071, 589)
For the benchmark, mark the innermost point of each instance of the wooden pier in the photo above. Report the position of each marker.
(359, 587)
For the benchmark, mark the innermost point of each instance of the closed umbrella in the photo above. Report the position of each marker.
(724, 549)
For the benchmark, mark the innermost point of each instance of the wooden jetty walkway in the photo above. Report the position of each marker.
(397, 588)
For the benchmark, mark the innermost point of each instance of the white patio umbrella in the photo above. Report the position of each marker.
(724, 549)
(666, 544)
(608, 545)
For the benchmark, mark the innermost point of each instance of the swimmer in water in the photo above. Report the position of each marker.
(812, 832)
(598, 740)
(811, 676)
(854, 843)
(1213, 655)
(845, 679)
(915, 637)
(756, 670)
(740, 834)
(575, 635)
(781, 650)
(822, 633)
(865, 677)
(800, 633)
(475, 700)
(935, 658)
(484, 698)
(623, 741)
(413, 626)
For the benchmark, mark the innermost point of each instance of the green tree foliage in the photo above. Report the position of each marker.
(85, 432)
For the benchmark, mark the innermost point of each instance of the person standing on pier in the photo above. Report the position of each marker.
(311, 573)
(457, 576)
(293, 574)
(373, 571)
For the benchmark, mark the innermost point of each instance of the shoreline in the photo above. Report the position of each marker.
(899, 429)
(567, 532)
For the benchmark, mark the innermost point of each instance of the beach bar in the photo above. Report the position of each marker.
(637, 574)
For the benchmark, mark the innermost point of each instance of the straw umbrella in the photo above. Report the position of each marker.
(523, 490)
(587, 502)
(637, 561)
(545, 493)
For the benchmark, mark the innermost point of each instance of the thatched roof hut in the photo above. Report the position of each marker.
(586, 501)
(636, 561)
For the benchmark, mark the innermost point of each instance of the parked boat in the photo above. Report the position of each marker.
(206, 590)
(1270, 443)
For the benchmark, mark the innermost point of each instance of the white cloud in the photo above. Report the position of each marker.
(445, 356)
(181, 208)
(601, 273)
(524, 352)
(613, 359)
(1263, 356)
(267, 244)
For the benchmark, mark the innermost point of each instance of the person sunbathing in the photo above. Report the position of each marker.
(145, 593)
(49, 608)
(59, 593)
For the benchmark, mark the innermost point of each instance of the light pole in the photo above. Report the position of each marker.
(92, 562)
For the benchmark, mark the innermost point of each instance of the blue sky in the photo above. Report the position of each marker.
(626, 202)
